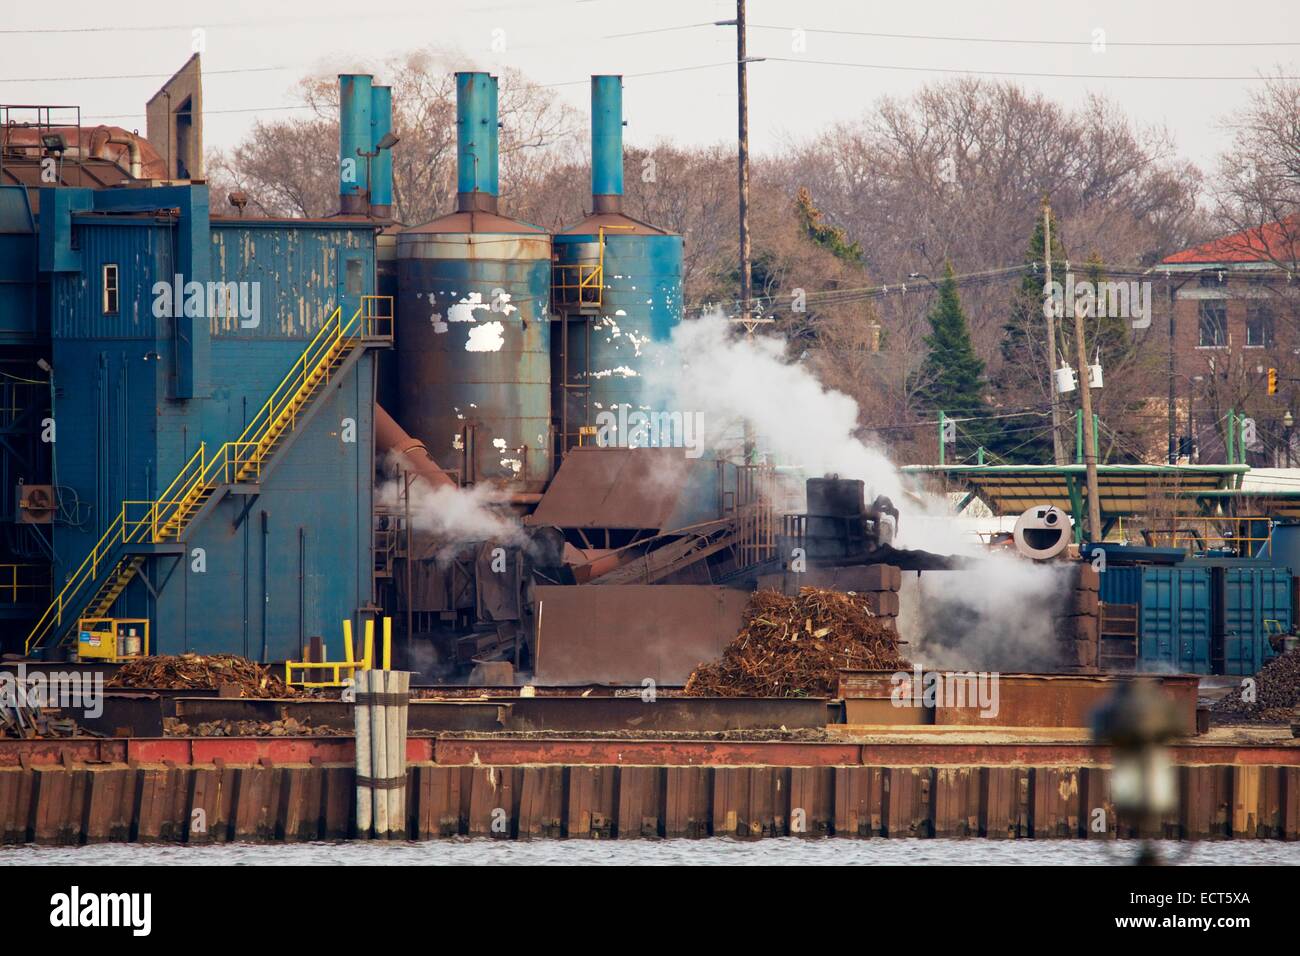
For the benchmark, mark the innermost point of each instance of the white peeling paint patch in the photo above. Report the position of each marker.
(499, 444)
(619, 312)
(541, 440)
(435, 317)
(514, 464)
(458, 442)
(621, 371)
(486, 338)
(463, 311)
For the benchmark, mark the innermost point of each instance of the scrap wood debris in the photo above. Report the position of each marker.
(205, 672)
(796, 646)
(1276, 692)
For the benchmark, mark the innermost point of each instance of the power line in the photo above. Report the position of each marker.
(207, 112)
(1026, 73)
(676, 69)
(643, 33)
(259, 22)
(1031, 41)
(139, 76)
(941, 38)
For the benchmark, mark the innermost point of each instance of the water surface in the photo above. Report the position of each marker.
(708, 852)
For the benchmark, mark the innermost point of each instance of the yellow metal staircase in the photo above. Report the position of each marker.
(114, 560)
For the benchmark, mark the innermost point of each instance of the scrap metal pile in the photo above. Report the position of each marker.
(796, 646)
(25, 722)
(1275, 693)
(208, 672)
(286, 726)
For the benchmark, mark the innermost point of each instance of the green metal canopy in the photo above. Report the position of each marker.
(1125, 490)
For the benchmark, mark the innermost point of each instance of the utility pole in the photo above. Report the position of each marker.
(1058, 450)
(1089, 438)
(746, 316)
(742, 94)
(1173, 397)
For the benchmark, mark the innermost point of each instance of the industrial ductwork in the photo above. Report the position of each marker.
(411, 454)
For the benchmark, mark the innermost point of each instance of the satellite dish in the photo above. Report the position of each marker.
(1042, 532)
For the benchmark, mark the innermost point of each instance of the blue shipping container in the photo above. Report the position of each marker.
(1174, 620)
(1257, 603)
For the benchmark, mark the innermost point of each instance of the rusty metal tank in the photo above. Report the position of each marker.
(473, 326)
(617, 288)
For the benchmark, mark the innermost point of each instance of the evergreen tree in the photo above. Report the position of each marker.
(953, 375)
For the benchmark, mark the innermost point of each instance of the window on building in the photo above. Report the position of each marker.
(1214, 324)
(1210, 279)
(355, 278)
(1259, 324)
(110, 289)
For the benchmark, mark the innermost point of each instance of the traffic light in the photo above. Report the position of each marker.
(1272, 381)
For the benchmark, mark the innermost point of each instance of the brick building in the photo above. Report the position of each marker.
(1236, 314)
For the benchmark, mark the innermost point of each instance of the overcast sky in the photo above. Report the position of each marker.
(562, 42)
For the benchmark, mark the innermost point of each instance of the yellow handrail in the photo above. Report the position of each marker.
(167, 516)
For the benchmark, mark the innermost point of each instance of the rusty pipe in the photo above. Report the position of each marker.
(132, 144)
(412, 455)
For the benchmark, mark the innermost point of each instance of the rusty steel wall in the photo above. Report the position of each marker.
(91, 803)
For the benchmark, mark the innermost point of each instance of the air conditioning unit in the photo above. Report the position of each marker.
(35, 504)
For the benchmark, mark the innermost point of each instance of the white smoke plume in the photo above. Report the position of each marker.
(456, 516)
(799, 422)
(706, 368)
(996, 615)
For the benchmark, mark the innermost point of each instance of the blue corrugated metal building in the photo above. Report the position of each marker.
(137, 388)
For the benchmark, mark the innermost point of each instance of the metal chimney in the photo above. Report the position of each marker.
(354, 142)
(476, 142)
(607, 144)
(381, 167)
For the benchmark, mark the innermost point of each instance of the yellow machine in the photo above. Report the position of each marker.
(112, 639)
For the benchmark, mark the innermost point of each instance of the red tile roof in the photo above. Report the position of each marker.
(1272, 242)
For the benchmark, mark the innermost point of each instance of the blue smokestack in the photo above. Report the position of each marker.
(606, 143)
(476, 142)
(354, 142)
(381, 168)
